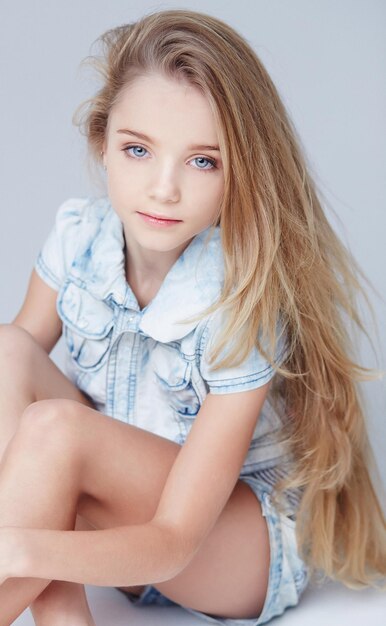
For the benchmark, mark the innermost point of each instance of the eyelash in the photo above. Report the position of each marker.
(211, 161)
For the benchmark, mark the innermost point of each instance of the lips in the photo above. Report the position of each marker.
(160, 217)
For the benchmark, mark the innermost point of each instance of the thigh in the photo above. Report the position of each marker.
(229, 573)
(28, 374)
(26, 364)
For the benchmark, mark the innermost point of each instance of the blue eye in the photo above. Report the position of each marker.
(135, 148)
(211, 162)
(142, 151)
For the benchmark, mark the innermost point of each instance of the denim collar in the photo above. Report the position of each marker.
(192, 284)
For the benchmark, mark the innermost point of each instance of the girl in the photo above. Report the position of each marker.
(208, 441)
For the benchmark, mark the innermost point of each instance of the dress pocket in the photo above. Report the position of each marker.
(174, 378)
(87, 326)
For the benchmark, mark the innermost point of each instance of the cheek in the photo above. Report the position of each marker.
(121, 184)
(210, 195)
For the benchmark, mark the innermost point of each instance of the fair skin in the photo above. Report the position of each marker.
(163, 175)
(146, 526)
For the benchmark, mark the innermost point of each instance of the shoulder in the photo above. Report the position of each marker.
(76, 212)
(254, 371)
(77, 221)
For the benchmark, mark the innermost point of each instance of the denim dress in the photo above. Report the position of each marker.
(148, 367)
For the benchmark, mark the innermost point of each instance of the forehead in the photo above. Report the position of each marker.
(159, 106)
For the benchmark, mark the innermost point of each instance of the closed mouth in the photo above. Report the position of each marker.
(160, 217)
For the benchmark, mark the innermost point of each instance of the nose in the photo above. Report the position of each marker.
(165, 187)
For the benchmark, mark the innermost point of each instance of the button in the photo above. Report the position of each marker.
(131, 318)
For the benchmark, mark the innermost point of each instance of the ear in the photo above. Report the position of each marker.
(103, 154)
(103, 151)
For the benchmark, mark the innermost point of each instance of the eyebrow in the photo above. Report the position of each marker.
(136, 133)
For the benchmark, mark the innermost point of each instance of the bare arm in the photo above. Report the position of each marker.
(38, 313)
(208, 464)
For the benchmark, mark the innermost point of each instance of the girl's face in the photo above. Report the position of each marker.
(162, 158)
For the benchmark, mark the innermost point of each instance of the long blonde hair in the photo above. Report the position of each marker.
(282, 258)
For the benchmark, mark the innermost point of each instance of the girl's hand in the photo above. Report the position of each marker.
(12, 553)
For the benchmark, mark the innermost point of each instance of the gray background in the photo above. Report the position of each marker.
(328, 60)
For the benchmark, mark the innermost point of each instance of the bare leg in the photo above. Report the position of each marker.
(36, 491)
(62, 603)
(28, 374)
(129, 495)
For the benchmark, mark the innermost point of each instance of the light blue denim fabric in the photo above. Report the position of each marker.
(144, 366)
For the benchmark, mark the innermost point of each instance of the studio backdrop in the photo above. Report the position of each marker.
(328, 61)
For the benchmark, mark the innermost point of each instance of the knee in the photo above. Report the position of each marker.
(48, 420)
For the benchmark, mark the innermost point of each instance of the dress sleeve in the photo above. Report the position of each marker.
(255, 370)
(58, 251)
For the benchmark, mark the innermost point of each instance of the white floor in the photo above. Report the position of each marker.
(331, 605)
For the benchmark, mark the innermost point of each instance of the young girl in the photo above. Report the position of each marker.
(208, 445)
